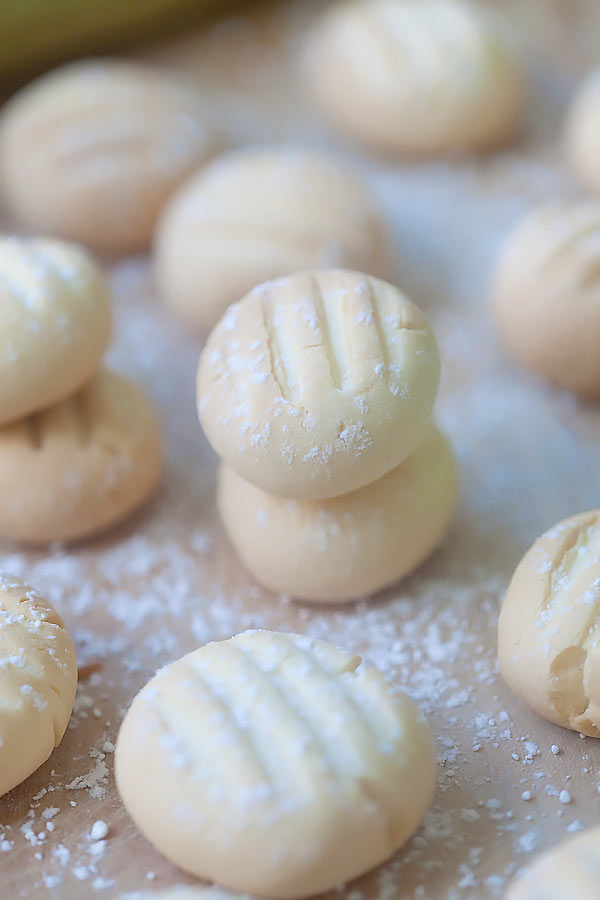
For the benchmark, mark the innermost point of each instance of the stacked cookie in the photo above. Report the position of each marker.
(316, 390)
(79, 446)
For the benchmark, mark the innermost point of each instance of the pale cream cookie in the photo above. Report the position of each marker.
(570, 871)
(80, 466)
(550, 625)
(91, 151)
(38, 679)
(55, 322)
(415, 76)
(546, 294)
(317, 384)
(346, 547)
(186, 892)
(257, 214)
(274, 764)
(583, 131)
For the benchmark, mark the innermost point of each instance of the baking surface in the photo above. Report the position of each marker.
(167, 581)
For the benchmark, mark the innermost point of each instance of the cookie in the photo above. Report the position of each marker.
(347, 547)
(55, 323)
(415, 76)
(317, 384)
(77, 468)
(583, 132)
(257, 214)
(38, 679)
(550, 623)
(570, 871)
(274, 764)
(185, 892)
(546, 294)
(91, 151)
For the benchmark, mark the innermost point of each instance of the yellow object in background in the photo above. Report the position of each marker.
(37, 33)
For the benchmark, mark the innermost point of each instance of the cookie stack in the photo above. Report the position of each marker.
(79, 446)
(316, 390)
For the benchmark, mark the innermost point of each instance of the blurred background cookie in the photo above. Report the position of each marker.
(255, 214)
(546, 294)
(569, 871)
(91, 151)
(415, 76)
(583, 132)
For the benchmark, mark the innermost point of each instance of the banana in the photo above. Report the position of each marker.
(36, 33)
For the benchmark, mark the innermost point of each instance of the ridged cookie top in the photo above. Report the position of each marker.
(91, 151)
(415, 75)
(549, 628)
(316, 384)
(98, 115)
(290, 749)
(54, 323)
(38, 676)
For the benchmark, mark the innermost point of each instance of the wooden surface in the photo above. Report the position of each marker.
(167, 581)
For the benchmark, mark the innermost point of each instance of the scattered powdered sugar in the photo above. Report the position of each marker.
(99, 830)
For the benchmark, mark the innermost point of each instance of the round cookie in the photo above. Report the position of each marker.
(550, 623)
(546, 294)
(350, 546)
(274, 764)
(317, 384)
(38, 679)
(78, 467)
(257, 214)
(91, 151)
(570, 871)
(55, 322)
(583, 132)
(415, 76)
